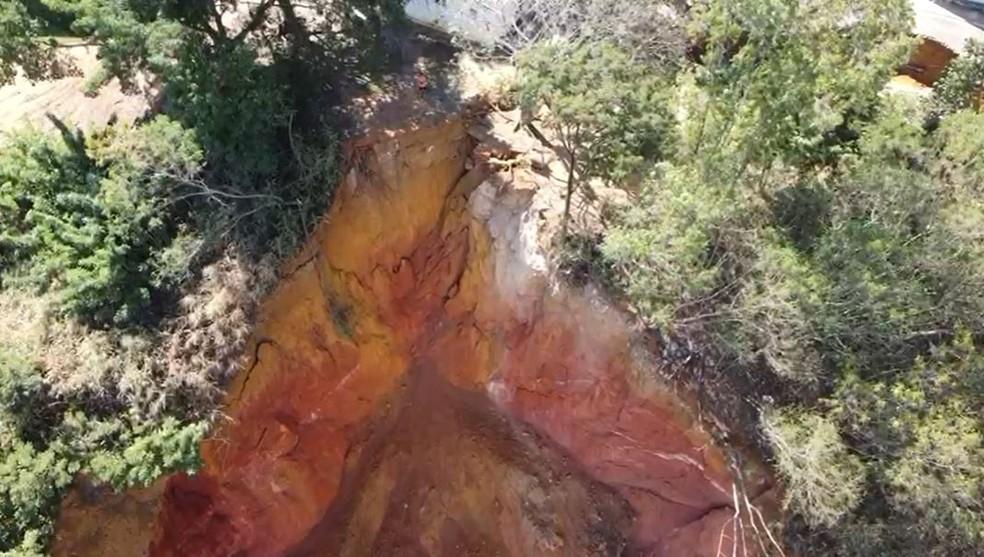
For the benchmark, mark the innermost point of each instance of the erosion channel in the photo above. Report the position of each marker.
(419, 383)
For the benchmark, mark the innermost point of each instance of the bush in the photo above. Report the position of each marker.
(937, 482)
(649, 29)
(85, 221)
(663, 246)
(147, 452)
(920, 435)
(237, 108)
(45, 440)
(774, 312)
(99, 227)
(959, 161)
(177, 370)
(962, 84)
(824, 482)
(31, 484)
(21, 395)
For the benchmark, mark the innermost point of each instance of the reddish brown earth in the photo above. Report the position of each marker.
(415, 390)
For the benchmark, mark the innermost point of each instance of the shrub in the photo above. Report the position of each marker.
(609, 113)
(147, 452)
(177, 370)
(959, 160)
(662, 247)
(45, 440)
(22, 394)
(962, 84)
(823, 480)
(774, 312)
(85, 221)
(237, 108)
(31, 484)
(937, 482)
(920, 434)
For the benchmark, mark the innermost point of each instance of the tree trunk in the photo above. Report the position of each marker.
(293, 27)
(304, 64)
(258, 18)
(570, 193)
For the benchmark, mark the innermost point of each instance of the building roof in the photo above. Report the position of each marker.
(935, 22)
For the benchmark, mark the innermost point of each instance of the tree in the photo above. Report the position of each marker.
(962, 83)
(143, 36)
(609, 113)
(706, 262)
(86, 217)
(660, 245)
(920, 436)
(779, 76)
(23, 45)
(824, 481)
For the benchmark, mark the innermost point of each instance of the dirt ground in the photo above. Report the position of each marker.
(26, 103)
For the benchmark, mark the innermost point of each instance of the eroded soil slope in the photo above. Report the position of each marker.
(420, 386)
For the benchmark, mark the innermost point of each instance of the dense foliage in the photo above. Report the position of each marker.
(45, 440)
(22, 46)
(132, 257)
(820, 241)
(962, 83)
(88, 218)
(608, 112)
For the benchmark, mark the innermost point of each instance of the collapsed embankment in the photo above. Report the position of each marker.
(419, 385)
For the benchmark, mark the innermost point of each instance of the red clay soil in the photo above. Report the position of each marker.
(444, 473)
(399, 403)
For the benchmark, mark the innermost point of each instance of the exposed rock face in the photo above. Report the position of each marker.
(421, 386)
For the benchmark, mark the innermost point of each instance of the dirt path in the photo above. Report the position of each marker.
(25, 103)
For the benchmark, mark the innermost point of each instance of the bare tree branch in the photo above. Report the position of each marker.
(649, 29)
(256, 19)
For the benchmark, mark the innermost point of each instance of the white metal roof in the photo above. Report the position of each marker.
(943, 26)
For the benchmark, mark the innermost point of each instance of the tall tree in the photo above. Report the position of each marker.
(778, 74)
(23, 45)
(609, 113)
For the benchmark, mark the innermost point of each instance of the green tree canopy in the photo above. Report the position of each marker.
(102, 232)
(776, 77)
(87, 217)
(609, 112)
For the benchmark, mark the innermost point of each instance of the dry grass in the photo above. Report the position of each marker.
(203, 347)
(180, 369)
(22, 319)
